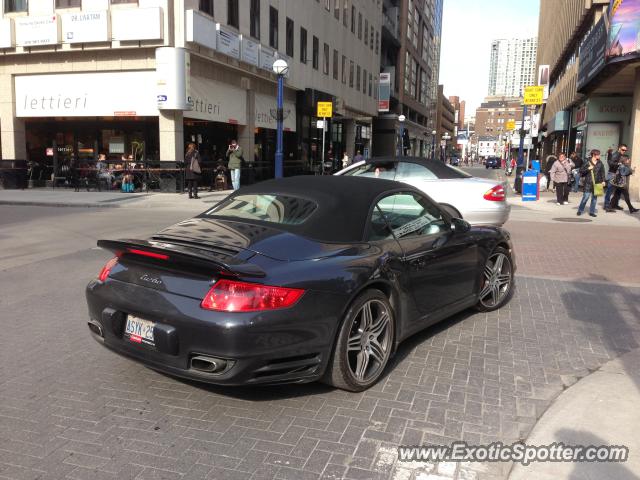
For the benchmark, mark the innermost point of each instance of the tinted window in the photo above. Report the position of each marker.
(408, 171)
(281, 209)
(406, 215)
(386, 170)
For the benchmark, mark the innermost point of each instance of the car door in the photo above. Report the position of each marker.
(441, 265)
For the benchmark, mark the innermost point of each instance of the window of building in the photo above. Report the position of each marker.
(316, 52)
(364, 82)
(345, 13)
(353, 19)
(377, 42)
(233, 13)
(371, 39)
(344, 69)
(407, 72)
(366, 32)
(303, 45)
(336, 9)
(289, 38)
(359, 26)
(327, 5)
(335, 64)
(325, 59)
(358, 78)
(112, 2)
(416, 28)
(414, 78)
(254, 13)
(370, 84)
(351, 69)
(423, 87)
(273, 28)
(68, 3)
(409, 19)
(425, 43)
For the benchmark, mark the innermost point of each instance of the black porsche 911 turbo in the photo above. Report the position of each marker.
(296, 280)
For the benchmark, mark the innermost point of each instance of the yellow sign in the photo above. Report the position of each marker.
(325, 109)
(534, 95)
(510, 125)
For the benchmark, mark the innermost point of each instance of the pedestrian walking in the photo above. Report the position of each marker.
(358, 157)
(577, 164)
(621, 185)
(345, 160)
(560, 174)
(613, 162)
(192, 169)
(234, 159)
(594, 183)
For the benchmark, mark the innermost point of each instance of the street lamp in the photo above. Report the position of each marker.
(433, 144)
(401, 119)
(280, 68)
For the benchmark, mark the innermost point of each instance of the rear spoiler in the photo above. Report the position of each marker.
(182, 255)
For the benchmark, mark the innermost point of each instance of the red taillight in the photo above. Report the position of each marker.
(106, 270)
(144, 253)
(496, 194)
(232, 296)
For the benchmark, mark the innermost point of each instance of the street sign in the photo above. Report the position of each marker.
(534, 95)
(510, 125)
(325, 109)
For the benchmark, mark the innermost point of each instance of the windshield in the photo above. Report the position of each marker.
(405, 170)
(280, 209)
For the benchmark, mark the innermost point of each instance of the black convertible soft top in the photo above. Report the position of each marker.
(343, 203)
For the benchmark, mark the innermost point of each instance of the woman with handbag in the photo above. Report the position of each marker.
(594, 182)
(192, 169)
(560, 174)
(621, 183)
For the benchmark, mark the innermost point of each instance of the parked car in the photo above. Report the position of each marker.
(479, 201)
(492, 162)
(272, 285)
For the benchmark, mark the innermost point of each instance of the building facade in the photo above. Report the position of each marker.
(493, 113)
(410, 54)
(512, 66)
(82, 77)
(445, 124)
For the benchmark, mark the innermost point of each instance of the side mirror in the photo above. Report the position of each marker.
(459, 225)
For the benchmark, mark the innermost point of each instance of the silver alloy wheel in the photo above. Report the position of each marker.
(369, 341)
(497, 280)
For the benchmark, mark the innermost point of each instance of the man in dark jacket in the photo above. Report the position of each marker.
(613, 163)
(577, 163)
(593, 173)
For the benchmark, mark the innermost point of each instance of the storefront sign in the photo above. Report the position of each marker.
(201, 29)
(543, 79)
(136, 24)
(609, 109)
(228, 41)
(592, 52)
(581, 114)
(267, 57)
(35, 31)
(173, 71)
(384, 92)
(84, 27)
(624, 21)
(266, 110)
(250, 51)
(217, 102)
(6, 33)
(86, 94)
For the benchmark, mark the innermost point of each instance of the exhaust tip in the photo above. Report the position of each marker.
(96, 329)
(205, 364)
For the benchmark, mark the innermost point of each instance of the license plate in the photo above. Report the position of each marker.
(138, 330)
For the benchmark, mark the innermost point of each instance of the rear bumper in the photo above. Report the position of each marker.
(496, 216)
(291, 345)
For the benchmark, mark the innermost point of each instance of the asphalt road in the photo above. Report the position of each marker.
(70, 409)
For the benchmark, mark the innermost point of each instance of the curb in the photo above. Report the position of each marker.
(58, 204)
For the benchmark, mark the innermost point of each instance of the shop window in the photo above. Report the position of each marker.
(273, 28)
(15, 6)
(233, 13)
(289, 37)
(303, 45)
(325, 60)
(254, 14)
(316, 52)
(335, 64)
(68, 3)
(206, 6)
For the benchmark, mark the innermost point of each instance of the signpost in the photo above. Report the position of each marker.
(510, 125)
(534, 95)
(325, 110)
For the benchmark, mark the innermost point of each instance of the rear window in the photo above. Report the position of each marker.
(280, 209)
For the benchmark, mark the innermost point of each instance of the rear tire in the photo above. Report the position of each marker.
(498, 283)
(364, 343)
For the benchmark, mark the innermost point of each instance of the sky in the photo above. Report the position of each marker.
(468, 27)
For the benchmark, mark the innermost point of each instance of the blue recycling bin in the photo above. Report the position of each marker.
(530, 186)
(535, 165)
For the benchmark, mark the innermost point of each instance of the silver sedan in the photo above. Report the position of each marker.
(479, 201)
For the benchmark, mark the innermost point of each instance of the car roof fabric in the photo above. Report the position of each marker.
(343, 203)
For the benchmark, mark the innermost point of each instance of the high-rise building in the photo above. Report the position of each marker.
(512, 67)
(410, 53)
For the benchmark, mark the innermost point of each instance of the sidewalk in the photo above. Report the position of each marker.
(600, 409)
(110, 199)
